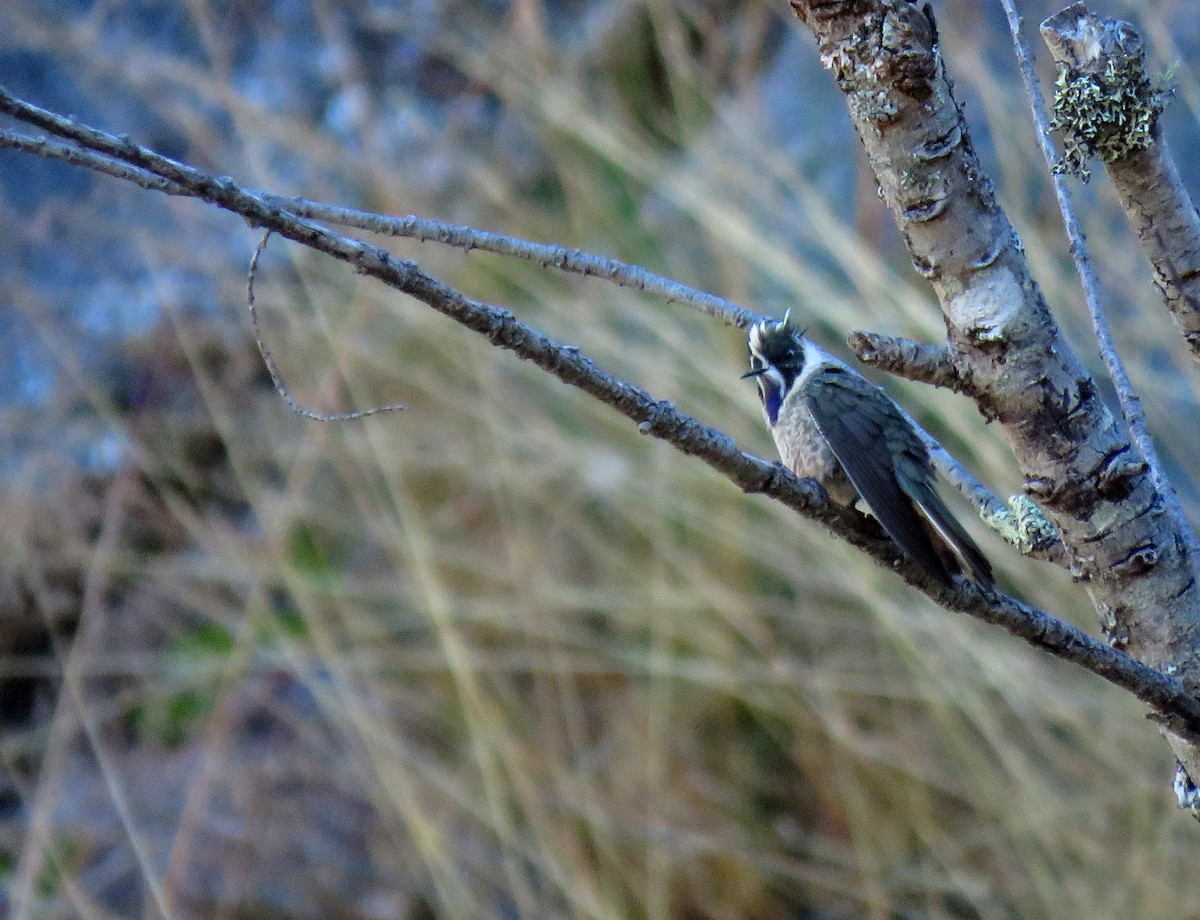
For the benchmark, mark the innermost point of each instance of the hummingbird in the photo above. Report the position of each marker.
(832, 425)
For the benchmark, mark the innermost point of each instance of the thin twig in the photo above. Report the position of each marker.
(622, 274)
(1130, 402)
(273, 369)
(77, 156)
(566, 259)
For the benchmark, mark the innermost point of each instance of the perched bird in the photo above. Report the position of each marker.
(831, 424)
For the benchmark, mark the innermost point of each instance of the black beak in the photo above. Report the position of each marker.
(754, 372)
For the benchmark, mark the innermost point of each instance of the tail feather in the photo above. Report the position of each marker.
(969, 557)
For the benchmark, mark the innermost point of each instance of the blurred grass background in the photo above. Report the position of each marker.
(499, 655)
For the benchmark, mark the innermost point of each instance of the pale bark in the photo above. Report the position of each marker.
(1104, 59)
(1009, 354)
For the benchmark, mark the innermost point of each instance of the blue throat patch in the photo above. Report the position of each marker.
(772, 400)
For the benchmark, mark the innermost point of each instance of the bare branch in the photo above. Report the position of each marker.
(1167, 696)
(273, 369)
(990, 507)
(620, 273)
(886, 57)
(424, 229)
(80, 156)
(546, 255)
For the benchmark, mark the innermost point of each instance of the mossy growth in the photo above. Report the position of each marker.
(1106, 114)
(1023, 525)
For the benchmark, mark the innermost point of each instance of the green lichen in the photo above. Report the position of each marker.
(1107, 115)
(1023, 525)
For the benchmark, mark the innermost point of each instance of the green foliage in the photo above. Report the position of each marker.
(60, 866)
(310, 552)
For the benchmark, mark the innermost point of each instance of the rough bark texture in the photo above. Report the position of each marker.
(921, 361)
(1106, 55)
(1016, 366)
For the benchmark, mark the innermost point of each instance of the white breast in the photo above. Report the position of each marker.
(802, 447)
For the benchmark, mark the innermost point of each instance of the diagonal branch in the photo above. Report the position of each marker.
(1172, 704)
(546, 255)
(468, 238)
(411, 226)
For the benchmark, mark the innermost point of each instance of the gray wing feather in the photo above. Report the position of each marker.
(888, 464)
(970, 557)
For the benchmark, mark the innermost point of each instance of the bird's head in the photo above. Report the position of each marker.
(777, 356)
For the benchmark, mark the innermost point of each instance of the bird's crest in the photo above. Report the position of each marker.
(775, 343)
